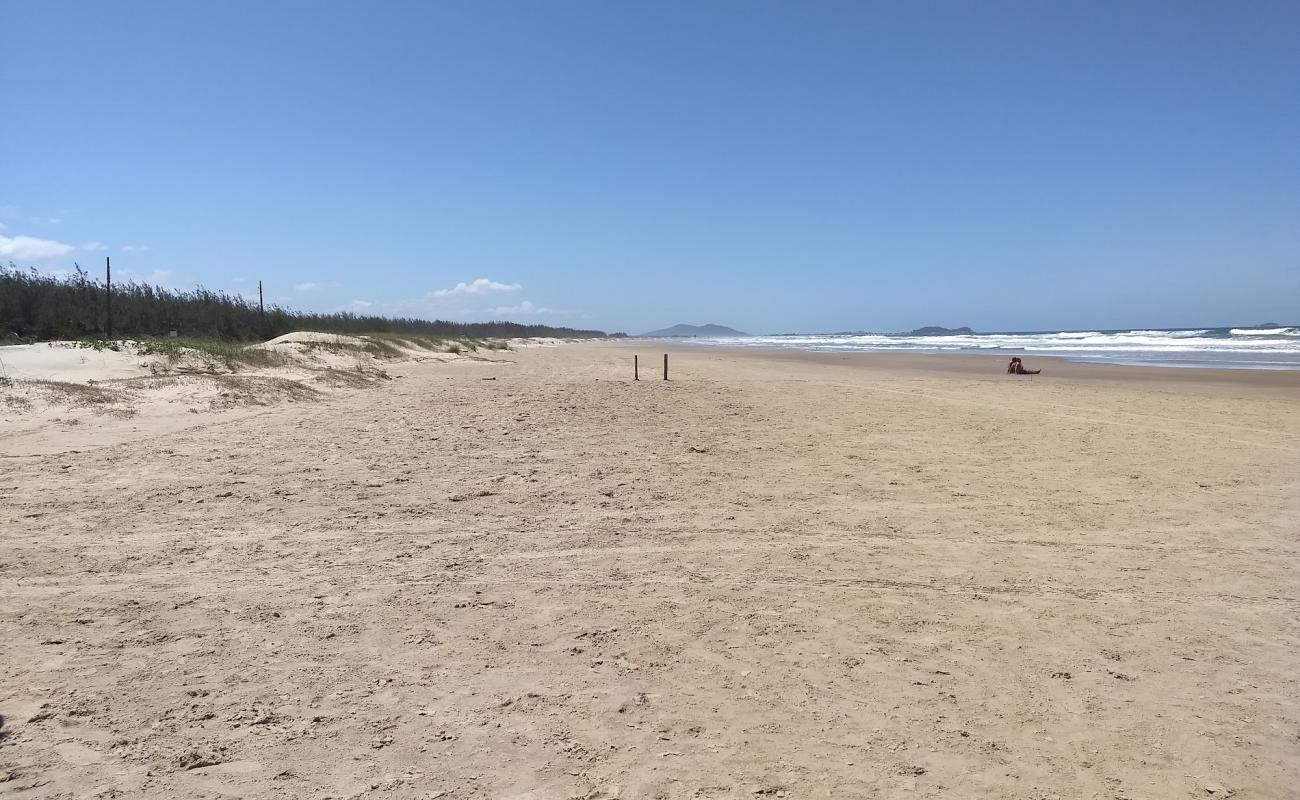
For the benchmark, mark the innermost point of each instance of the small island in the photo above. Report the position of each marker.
(702, 331)
(936, 330)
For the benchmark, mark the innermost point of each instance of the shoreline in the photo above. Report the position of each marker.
(1261, 348)
(974, 365)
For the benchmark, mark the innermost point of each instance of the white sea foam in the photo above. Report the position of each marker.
(1265, 331)
(1271, 348)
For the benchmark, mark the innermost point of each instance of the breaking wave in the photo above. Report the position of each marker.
(1254, 348)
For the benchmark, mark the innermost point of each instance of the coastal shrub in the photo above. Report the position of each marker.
(228, 354)
(382, 348)
(36, 306)
(75, 394)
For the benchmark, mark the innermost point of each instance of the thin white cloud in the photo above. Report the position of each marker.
(525, 308)
(158, 277)
(135, 248)
(55, 272)
(18, 214)
(359, 304)
(478, 286)
(93, 247)
(24, 248)
(314, 287)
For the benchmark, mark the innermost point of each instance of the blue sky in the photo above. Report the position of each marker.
(771, 166)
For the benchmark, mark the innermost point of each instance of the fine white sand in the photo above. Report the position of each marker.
(776, 575)
(66, 361)
(66, 394)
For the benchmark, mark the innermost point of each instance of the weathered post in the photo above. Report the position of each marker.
(665, 366)
(261, 309)
(636, 369)
(108, 296)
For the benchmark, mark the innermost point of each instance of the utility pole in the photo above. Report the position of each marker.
(261, 309)
(108, 295)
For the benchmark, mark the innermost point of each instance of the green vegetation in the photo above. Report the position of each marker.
(177, 348)
(229, 354)
(379, 348)
(36, 307)
(235, 355)
(76, 394)
(412, 340)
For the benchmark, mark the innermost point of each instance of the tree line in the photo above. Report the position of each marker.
(37, 307)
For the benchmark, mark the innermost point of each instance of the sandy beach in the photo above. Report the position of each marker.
(776, 575)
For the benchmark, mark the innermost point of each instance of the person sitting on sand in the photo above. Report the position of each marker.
(1017, 367)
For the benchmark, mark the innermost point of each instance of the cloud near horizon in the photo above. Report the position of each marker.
(30, 247)
(165, 278)
(311, 286)
(479, 286)
(523, 308)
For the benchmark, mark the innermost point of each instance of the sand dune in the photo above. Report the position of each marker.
(57, 394)
(769, 577)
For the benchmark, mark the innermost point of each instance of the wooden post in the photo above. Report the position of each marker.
(108, 296)
(636, 369)
(665, 366)
(261, 309)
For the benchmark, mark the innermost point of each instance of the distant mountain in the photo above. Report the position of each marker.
(935, 330)
(696, 330)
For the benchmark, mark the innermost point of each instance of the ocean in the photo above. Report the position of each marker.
(1233, 348)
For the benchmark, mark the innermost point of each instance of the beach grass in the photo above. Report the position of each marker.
(440, 344)
(231, 355)
(82, 395)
